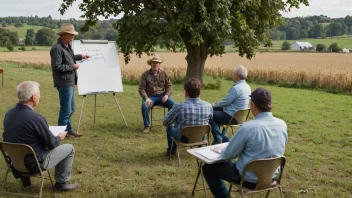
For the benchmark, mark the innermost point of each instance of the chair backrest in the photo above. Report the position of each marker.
(265, 169)
(15, 153)
(196, 133)
(242, 115)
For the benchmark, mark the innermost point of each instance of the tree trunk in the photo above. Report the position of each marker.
(195, 65)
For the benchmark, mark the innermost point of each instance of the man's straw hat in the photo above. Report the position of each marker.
(67, 28)
(155, 59)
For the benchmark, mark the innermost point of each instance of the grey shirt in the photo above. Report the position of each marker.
(62, 61)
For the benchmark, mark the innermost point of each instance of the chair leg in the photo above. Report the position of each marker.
(41, 187)
(230, 188)
(3, 185)
(51, 181)
(204, 188)
(198, 174)
(151, 118)
(281, 192)
(178, 156)
(267, 194)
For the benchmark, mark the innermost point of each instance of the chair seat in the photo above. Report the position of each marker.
(158, 107)
(182, 144)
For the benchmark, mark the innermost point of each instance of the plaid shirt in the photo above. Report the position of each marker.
(151, 85)
(192, 112)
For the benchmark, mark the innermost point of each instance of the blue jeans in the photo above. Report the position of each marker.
(156, 100)
(172, 131)
(219, 118)
(67, 106)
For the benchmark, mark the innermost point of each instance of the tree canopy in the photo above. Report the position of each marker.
(200, 26)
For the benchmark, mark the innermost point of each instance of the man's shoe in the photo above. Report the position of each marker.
(26, 181)
(146, 129)
(65, 187)
(167, 153)
(73, 134)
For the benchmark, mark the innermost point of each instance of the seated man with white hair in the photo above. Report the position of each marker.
(236, 99)
(24, 126)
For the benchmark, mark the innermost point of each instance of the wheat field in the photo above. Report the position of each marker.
(332, 71)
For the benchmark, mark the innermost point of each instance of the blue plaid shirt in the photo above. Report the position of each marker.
(192, 112)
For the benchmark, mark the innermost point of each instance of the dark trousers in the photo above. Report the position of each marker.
(219, 118)
(214, 174)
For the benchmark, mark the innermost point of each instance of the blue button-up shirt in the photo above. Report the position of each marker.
(263, 137)
(237, 98)
(192, 112)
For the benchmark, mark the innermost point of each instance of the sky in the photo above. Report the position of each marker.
(44, 8)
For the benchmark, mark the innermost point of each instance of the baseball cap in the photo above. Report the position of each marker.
(261, 96)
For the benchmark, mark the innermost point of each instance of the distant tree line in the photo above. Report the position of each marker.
(311, 27)
(103, 29)
(294, 29)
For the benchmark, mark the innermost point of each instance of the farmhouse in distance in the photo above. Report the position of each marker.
(301, 46)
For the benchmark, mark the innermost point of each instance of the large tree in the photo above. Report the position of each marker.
(45, 37)
(199, 26)
(30, 37)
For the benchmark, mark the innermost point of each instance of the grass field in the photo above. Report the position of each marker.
(114, 161)
(22, 30)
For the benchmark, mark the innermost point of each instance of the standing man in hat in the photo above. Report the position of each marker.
(155, 89)
(64, 66)
(263, 137)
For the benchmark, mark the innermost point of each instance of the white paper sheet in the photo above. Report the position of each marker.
(57, 129)
(208, 153)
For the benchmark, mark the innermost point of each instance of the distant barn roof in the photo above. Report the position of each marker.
(304, 44)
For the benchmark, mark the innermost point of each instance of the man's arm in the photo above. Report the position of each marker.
(171, 115)
(56, 61)
(236, 145)
(46, 136)
(231, 96)
(142, 87)
(78, 57)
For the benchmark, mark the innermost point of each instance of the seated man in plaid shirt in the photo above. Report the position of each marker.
(192, 112)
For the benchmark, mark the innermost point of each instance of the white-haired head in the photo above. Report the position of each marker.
(241, 71)
(26, 90)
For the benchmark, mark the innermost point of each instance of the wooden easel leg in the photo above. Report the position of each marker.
(80, 115)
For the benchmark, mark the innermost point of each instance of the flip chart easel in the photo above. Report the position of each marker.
(95, 107)
(99, 74)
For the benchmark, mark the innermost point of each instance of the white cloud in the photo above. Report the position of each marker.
(330, 8)
(41, 8)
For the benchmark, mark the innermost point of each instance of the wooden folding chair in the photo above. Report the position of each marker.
(195, 135)
(14, 155)
(151, 113)
(264, 169)
(240, 116)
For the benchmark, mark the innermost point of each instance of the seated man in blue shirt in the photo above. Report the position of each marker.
(192, 112)
(263, 137)
(24, 126)
(236, 99)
